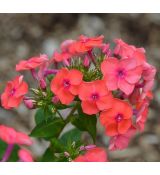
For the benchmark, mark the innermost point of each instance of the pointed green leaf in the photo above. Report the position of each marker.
(49, 128)
(85, 122)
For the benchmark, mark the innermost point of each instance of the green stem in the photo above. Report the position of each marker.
(60, 115)
(71, 113)
(67, 120)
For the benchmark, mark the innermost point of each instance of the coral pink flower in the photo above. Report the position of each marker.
(129, 51)
(85, 44)
(117, 120)
(121, 141)
(10, 136)
(94, 155)
(122, 74)
(32, 63)
(25, 155)
(95, 96)
(65, 84)
(14, 93)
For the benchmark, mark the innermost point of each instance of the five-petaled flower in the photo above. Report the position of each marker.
(95, 96)
(66, 84)
(117, 120)
(14, 93)
(94, 155)
(122, 74)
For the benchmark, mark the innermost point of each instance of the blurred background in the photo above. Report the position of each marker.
(26, 35)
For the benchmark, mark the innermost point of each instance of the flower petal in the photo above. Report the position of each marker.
(123, 126)
(89, 107)
(111, 82)
(126, 87)
(134, 75)
(109, 65)
(75, 76)
(85, 90)
(105, 102)
(128, 64)
(65, 96)
(107, 117)
(56, 82)
(111, 130)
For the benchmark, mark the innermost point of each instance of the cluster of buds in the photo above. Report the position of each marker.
(115, 85)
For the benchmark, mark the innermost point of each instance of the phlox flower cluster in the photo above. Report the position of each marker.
(113, 84)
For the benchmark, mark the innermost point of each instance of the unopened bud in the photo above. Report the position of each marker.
(66, 154)
(42, 83)
(82, 148)
(66, 62)
(55, 99)
(86, 61)
(29, 103)
(88, 147)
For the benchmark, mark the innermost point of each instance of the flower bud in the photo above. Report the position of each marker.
(82, 148)
(88, 147)
(42, 83)
(30, 104)
(86, 61)
(66, 62)
(55, 99)
(66, 154)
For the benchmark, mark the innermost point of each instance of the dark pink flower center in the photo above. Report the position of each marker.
(119, 117)
(12, 92)
(66, 83)
(120, 73)
(95, 96)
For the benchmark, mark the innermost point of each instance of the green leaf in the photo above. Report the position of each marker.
(49, 128)
(39, 116)
(73, 135)
(48, 156)
(85, 122)
(55, 152)
(44, 114)
(57, 145)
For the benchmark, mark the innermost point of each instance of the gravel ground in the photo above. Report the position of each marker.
(25, 35)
